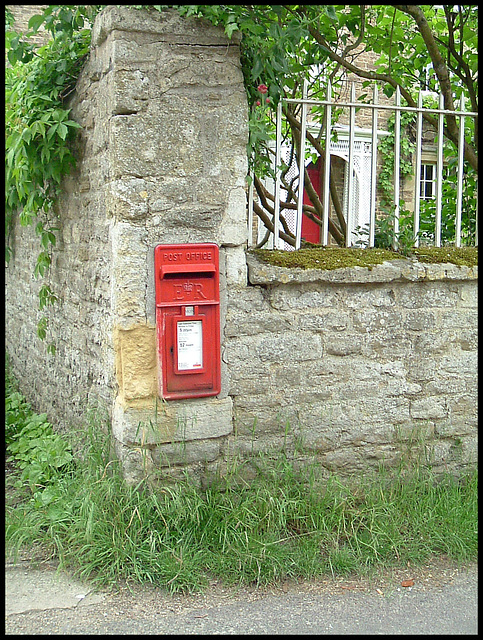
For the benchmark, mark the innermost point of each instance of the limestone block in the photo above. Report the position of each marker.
(345, 460)
(343, 345)
(252, 322)
(456, 426)
(137, 463)
(468, 292)
(129, 271)
(423, 320)
(369, 297)
(464, 408)
(236, 352)
(128, 199)
(398, 270)
(133, 141)
(469, 449)
(129, 91)
(325, 321)
(136, 362)
(440, 453)
(433, 407)
(303, 297)
(424, 294)
(247, 300)
(449, 384)
(381, 320)
(236, 267)
(166, 23)
(449, 271)
(262, 273)
(187, 452)
(287, 346)
(459, 318)
(246, 380)
(172, 421)
(442, 342)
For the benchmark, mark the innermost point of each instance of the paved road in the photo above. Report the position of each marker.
(442, 600)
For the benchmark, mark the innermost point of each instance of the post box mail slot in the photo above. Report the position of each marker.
(188, 319)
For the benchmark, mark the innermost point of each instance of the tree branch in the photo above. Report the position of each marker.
(290, 239)
(451, 131)
(441, 70)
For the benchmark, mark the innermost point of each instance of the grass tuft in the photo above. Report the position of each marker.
(286, 522)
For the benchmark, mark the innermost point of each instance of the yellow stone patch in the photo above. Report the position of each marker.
(136, 368)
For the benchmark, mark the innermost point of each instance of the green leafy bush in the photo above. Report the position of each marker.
(17, 411)
(385, 236)
(39, 453)
(38, 127)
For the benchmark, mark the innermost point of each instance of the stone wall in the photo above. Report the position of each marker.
(161, 159)
(82, 371)
(351, 362)
(22, 15)
(356, 363)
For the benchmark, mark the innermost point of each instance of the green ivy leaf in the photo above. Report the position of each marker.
(41, 328)
(330, 12)
(62, 130)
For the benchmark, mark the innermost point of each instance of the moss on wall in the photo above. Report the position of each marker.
(327, 258)
(462, 256)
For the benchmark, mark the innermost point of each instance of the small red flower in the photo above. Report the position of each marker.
(262, 88)
(267, 100)
(258, 103)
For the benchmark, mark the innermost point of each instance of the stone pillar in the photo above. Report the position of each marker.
(176, 133)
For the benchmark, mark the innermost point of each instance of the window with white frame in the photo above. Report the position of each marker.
(427, 182)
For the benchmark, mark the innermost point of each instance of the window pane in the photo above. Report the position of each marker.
(427, 181)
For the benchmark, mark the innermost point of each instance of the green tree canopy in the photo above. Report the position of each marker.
(281, 44)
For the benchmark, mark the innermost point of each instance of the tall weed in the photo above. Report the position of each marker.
(285, 522)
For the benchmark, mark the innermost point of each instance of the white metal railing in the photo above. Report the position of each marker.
(376, 108)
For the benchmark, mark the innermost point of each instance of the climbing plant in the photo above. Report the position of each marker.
(281, 44)
(38, 127)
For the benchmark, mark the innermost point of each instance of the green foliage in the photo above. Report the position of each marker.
(385, 236)
(448, 209)
(17, 410)
(289, 520)
(386, 147)
(40, 454)
(39, 130)
(281, 44)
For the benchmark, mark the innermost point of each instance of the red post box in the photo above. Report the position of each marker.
(188, 319)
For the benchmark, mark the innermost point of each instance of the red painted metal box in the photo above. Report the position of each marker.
(188, 319)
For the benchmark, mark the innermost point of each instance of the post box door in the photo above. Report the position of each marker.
(188, 320)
